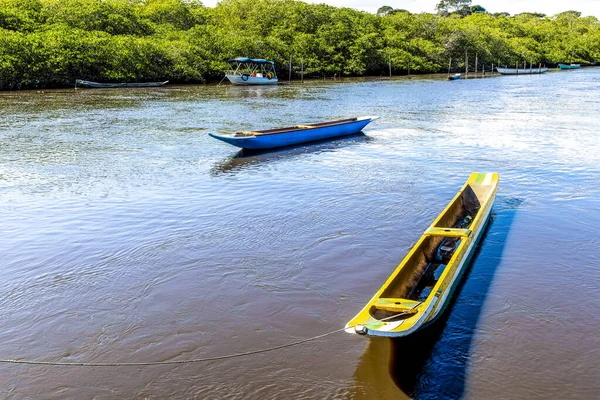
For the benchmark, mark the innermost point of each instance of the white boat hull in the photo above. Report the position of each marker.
(250, 80)
(521, 71)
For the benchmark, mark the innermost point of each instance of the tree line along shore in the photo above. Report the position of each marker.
(50, 43)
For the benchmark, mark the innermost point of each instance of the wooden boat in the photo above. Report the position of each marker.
(248, 71)
(521, 71)
(453, 77)
(569, 66)
(419, 290)
(98, 85)
(272, 138)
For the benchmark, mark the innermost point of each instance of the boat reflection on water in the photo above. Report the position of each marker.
(373, 378)
(393, 368)
(245, 158)
(433, 363)
(233, 93)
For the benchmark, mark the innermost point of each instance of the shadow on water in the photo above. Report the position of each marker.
(434, 362)
(244, 159)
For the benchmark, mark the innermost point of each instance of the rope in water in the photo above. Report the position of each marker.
(173, 362)
(191, 361)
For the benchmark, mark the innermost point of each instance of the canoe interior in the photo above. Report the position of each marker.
(297, 127)
(425, 266)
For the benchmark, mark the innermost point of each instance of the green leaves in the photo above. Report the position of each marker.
(53, 42)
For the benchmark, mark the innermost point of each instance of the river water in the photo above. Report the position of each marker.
(128, 234)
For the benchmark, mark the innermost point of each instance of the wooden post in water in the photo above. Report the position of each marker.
(449, 66)
(302, 70)
(290, 74)
(466, 65)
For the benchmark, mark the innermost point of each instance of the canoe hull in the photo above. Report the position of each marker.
(519, 71)
(454, 77)
(248, 80)
(261, 142)
(461, 271)
(98, 85)
(439, 310)
(433, 313)
(427, 311)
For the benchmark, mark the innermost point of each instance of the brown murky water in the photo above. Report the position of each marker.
(129, 235)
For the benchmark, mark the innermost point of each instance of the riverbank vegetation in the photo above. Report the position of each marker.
(50, 43)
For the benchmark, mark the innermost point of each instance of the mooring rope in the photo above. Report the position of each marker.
(190, 361)
(222, 80)
(173, 362)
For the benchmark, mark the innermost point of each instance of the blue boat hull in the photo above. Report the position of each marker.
(270, 141)
(569, 66)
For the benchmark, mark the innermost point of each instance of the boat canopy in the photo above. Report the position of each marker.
(250, 60)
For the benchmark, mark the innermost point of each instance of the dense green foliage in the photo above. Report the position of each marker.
(51, 42)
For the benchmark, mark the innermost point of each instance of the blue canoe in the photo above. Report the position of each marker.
(281, 137)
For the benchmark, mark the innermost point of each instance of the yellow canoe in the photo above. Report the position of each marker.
(421, 287)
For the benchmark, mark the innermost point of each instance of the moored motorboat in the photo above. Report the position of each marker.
(248, 71)
(99, 85)
(420, 288)
(298, 134)
(453, 77)
(569, 66)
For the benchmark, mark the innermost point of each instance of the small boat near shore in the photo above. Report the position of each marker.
(298, 134)
(453, 77)
(521, 71)
(569, 66)
(420, 288)
(247, 71)
(99, 85)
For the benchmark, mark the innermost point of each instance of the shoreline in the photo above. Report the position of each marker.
(295, 82)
